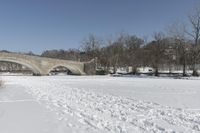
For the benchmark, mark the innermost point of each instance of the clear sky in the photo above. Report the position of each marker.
(37, 25)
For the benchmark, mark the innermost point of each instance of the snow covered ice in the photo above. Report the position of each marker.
(60, 104)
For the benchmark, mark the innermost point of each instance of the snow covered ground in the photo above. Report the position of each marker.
(60, 104)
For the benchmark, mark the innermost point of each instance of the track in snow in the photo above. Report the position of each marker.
(89, 111)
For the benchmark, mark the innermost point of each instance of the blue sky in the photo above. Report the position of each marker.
(38, 25)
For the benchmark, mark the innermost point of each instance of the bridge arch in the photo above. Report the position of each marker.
(43, 65)
(74, 70)
(32, 67)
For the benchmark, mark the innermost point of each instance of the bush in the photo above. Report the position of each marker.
(100, 72)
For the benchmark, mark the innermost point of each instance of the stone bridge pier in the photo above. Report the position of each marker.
(43, 65)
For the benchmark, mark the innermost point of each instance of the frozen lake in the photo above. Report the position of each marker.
(99, 104)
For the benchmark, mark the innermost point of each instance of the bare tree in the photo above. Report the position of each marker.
(156, 51)
(91, 46)
(180, 46)
(194, 20)
(133, 51)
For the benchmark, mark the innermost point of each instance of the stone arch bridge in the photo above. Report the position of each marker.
(43, 65)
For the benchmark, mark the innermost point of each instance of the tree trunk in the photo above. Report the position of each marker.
(114, 69)
(134, 70)
(184, 70)
(156, 72)
(184, 66)
(195, 73)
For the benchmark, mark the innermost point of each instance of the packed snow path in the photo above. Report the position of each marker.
(84, 104)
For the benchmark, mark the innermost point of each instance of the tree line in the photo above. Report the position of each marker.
(177, 47)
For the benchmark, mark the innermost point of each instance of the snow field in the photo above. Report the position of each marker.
(89, 110)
